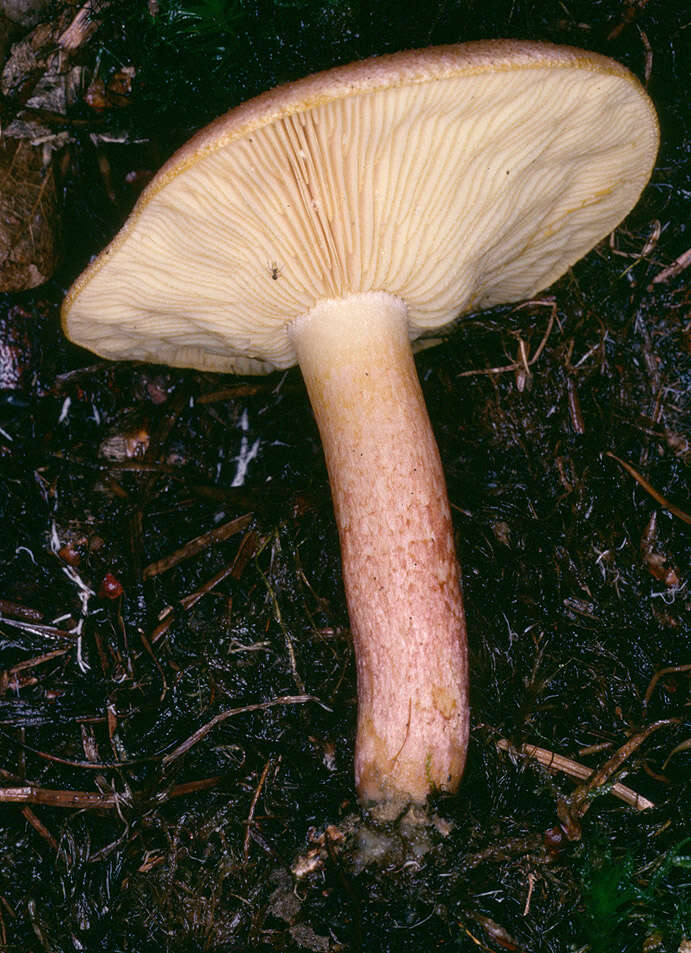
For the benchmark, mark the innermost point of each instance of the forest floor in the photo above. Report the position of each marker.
(177, 686)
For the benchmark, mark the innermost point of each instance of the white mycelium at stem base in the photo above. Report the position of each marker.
(399, 563)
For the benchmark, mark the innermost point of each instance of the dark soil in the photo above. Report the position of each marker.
(177, 721)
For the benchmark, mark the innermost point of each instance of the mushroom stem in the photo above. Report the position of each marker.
(399, 564)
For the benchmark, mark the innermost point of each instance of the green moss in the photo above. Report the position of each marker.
(623, 905)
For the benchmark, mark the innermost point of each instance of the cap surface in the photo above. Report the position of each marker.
(455, 178)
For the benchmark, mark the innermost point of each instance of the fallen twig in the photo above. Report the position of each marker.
(571, 810)
(649, 488)
(246, 550)
(90, 800)
(678, 265)
(557, 762)
(194, 546)
(84, 24)
(9, 676)
(40, 827)
(44, 631)
(70, 762)
(597, 778)
(17, 611)
(230, 393)
(523, 363)
(669, 670)
(253, 805)
(230, 713)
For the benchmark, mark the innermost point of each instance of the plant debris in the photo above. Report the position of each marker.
(177, 686)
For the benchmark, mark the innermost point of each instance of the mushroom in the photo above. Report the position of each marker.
(335, 221)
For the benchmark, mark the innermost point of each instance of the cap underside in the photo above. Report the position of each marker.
(453, 194)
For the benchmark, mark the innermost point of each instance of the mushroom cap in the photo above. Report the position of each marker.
(455, 178)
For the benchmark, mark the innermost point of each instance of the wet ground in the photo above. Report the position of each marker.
(177, 692)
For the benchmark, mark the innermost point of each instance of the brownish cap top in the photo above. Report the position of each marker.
(455, 178)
